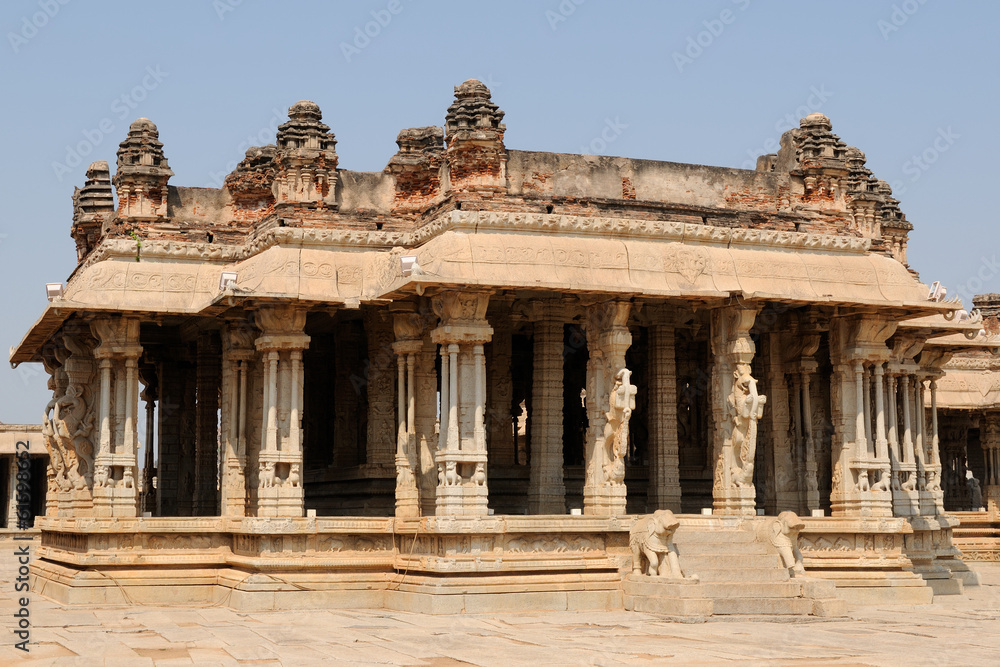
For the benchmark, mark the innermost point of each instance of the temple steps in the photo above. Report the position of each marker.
(737, 574)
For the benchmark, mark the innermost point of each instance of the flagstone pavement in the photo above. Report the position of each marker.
(954, 630)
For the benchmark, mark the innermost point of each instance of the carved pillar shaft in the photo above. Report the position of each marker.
(279, 480)
(237, 353)
(867, 403)
(116, 464)
(664, 474)
(904, 383)
(862, 420)
(893, 435)
(463, 330)
(445, 411)
(881, 444)
(812, 468)
(207, 427)
(426, 417)
(380, 447)
(502, 444)
(608, 339)
(736, 409)
(546, 491)
(148, 489)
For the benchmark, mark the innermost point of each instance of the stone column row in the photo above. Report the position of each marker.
(861, 478)
(914, 454)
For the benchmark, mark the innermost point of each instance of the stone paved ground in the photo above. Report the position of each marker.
(955, 630)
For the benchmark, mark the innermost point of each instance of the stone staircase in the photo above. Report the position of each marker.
(737, 574)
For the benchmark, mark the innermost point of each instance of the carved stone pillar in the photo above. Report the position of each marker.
(237, 387)
(381, 443)
(546, 491)
(736, 409)
(664, 465)
(69, 425)
(147, 500)
(809, 367)
(280, 344)
(427, 417)
(610, 397)
(502, 443)
(408, 327)
(116, 464)
(861, 477)
(207, 425)
(990, 440)
(461, 455)
(934, 456)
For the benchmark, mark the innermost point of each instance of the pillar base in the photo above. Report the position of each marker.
(863, 503)
(604, 500)
(280, 501)
(462, 500)
(736, 502)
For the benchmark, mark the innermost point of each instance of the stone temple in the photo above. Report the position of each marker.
(487, 379)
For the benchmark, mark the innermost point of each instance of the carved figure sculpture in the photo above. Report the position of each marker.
(975, 494)
(621, 404)
(479, 476)
(884, 483)
(268, 478)
(451, 477)
(653, 550)
(294, 475)
(746, 407)
(784, 534)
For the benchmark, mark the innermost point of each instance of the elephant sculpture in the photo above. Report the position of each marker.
(653, 551)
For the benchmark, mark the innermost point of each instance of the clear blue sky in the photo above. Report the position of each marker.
(704, 82)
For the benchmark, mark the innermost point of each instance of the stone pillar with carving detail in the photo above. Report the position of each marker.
(990, 440)
(69, 425)
(280, 345)
(500, 392)
(238, 355)
(461, 456)
(426, 423)
(862, 477)
(381, 443)
(147, 499)
(546, 490)
(736, 409)
(610, 399)
(115, 464)
(408, 326)
(206, 501)
(664, 452)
